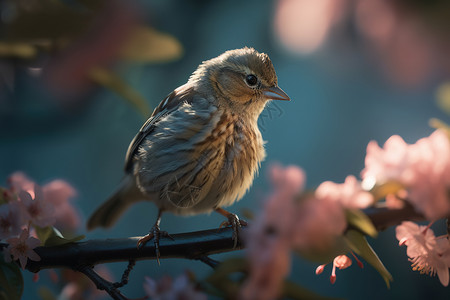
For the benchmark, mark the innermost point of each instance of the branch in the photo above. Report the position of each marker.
(192, 245)
(383, 217)
(82, 256)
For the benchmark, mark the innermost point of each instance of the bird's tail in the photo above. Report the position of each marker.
(108, 213)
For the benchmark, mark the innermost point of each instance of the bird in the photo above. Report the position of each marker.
(201, 148)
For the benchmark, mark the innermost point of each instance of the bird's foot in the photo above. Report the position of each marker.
(235, 223)
(155, 233)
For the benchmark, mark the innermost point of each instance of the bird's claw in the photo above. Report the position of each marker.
(155, 233)
(235, 223)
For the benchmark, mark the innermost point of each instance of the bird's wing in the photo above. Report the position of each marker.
(165, 107)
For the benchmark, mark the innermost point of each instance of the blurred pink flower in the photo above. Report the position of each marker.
(409, 47)
(67, 74)
(40, 212)
(54, 200)
(11, 220)
(388, 29)
(302, 25)
(168, 289)
(269, 237)
(429, 176)
(423, 250)
(21, 248)
(349, 194)
(318, 223)
(79, 287)
(58, 193)
(19, 181)
(387, 163)
(423, 168)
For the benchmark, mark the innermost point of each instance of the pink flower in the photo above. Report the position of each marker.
(11, 220)
(40, 212)
(19, 181)
(318, 223)
(167, 289)
(349, 194)
(426, 254)
(58, 193)
(269, 238)
(341, 262)
(428, 176)
(387, 163)
(423, 168)
(21, 248)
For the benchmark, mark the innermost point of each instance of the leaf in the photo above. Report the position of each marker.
(113, 82)
(46, 294)
(292, 290)
(443, 97)
(438, 124)
(18, 50)
(11, 281)
(50, 236)
(382, 190)
(358, 243)
(148, 45)
(360, 221)
(221, 280)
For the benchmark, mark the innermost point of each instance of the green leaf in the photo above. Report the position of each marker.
(221, 280)
(11, 281)
(18, 50)
(443, 97)
(46, 294)
(50, 236)
(358, 243)
(113, 82)
(360, 221)
(292, 290)
(382, 190)
(145, 44)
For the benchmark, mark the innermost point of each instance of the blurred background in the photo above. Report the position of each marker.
(78, 78)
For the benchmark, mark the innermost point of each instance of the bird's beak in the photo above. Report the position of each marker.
(275, 93)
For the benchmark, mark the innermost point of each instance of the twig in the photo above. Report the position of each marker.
(101, 283)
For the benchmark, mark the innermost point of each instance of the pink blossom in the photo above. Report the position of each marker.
(168, 289)
(19, 181)
(387, 163)
(426, 254)
(423, 168)
(58, 193)
(341, 262)
(428, 176)
(349, 194)
(40, 212)
(318, 223)
(269, 238)
(21, 248)
(11, 220)
(79, 287)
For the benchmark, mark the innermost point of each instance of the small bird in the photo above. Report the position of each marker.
(200, 149)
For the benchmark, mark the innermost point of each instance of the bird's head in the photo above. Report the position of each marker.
(242, 80)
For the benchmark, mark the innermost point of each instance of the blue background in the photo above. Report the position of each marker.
(340, 101)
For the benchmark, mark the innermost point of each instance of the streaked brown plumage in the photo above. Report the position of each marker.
(201, 148)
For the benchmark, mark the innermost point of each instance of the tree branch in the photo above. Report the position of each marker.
(82, 256)
(192, 245)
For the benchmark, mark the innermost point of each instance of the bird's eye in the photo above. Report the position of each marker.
(251, 80)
